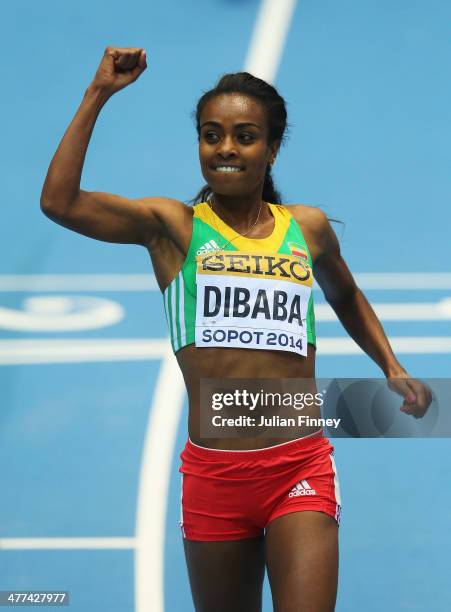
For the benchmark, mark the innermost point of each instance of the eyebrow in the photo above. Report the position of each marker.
(238, 125)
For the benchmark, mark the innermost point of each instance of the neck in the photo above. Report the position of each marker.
(239, 212)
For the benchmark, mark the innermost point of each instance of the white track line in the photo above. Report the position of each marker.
(67, 543)
(422, 281)
(268, 39)
(16, 352)
(399, 344)
(404, 280)
(397, 311)
(30, 352)
(78, 282)
(153, 489)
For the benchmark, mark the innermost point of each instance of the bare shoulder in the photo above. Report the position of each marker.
(316, 228)
(166, 206)
(173, 215)
(310, 217)
(175, 220)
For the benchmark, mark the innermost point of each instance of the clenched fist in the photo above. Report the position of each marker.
(119, 68)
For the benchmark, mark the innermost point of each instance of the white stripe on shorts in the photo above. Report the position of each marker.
(336, 489)
(181, 507)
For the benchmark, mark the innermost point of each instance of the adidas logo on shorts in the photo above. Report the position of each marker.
(301, 488)
(211, 245)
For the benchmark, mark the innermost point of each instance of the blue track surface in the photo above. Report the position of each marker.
(368, 92)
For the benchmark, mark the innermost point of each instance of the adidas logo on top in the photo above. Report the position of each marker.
(301, 488)
(211, 245)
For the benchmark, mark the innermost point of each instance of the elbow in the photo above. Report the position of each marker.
(45, 204)
(50, 209)
(343, 297)
(53, 206)
(47, 200)
(57, 197)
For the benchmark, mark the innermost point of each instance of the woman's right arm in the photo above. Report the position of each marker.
(104, 216)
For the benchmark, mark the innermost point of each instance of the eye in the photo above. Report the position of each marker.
(246, 137)
(211, 136)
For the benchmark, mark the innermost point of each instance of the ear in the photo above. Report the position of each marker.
(274, 149)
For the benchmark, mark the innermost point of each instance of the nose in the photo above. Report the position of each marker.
(226, 147)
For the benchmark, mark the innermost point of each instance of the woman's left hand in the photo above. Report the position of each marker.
(417, 396)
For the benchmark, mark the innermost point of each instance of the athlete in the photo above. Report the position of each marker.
(236, 272)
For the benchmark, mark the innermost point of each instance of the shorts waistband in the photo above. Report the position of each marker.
(258, 453)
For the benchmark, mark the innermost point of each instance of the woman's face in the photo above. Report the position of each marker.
(233, 146)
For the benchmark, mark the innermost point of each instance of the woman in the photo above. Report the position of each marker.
(235, 270)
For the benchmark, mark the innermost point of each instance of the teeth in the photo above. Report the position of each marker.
(227, 169)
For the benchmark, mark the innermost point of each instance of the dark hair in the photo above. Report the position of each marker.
(276, 113)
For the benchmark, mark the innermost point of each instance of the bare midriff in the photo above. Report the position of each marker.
(219, 363)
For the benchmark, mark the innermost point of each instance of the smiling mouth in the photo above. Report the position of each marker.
(226, 169)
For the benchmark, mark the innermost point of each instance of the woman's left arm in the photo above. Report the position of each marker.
(357, 316)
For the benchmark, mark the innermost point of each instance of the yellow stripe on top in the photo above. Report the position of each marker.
(252, 265)
(271, 244)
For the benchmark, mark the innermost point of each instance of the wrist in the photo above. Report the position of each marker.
(97, 95)
(394, 370)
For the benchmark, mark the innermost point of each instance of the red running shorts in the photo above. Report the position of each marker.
(231, 495)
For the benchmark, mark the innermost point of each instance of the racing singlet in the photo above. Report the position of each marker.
(234, 291)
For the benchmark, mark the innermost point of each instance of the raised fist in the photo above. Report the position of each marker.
(119, 68)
